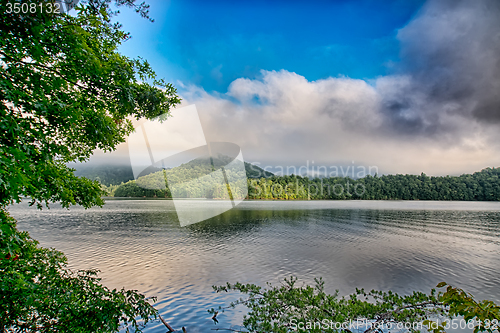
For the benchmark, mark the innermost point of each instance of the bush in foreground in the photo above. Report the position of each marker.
(38, 293)
(65, 91)
(307, 308)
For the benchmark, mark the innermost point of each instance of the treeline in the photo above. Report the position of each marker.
(480, 186)
(195, 179)
(112, 175)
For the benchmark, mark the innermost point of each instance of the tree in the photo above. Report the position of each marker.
(38, 293)
(65, 91)
(307, 308)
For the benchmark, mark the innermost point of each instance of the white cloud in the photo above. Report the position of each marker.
(438, 113)
(284, 119)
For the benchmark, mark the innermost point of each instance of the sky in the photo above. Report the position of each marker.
(406, 86)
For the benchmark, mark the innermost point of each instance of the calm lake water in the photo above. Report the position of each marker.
(401, 246)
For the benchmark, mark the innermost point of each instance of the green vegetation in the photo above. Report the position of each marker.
(113, 177)
(65, 92)
(179, 180)
(105, 174)
(109, 191)
(255, 172)
(38, 293)
(309, 309)
(480, 186)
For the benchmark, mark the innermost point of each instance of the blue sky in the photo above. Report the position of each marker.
(408, 86)
(212, 43)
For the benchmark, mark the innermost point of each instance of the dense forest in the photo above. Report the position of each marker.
(105, 174)
(109, 175)
(480, 186)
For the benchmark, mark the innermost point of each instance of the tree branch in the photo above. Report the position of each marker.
(47, 68)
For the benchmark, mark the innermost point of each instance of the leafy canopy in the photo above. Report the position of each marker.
(65, 91)
(303, 308)
(38, 293)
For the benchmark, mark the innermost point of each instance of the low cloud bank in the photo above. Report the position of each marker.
(439, 112)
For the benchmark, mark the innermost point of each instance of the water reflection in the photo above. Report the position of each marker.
(138, 244)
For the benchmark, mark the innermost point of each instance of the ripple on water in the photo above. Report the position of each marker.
(138, 244)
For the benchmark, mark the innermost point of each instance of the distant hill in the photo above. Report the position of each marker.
(105, 174)
(255, 172)
(117, 174)
(195, 179)
(479, 186)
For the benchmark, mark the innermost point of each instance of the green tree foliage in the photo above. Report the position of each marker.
(65, 91)
(256, 172)
(480, 186)
(194, 179)
(307, 308)
(303, 308)
(485, 313)
(131, 189)
(38, 293)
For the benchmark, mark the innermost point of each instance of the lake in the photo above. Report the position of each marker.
(401, 246)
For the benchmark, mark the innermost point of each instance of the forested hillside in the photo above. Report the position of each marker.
(109, 175)
(480, 186)
(105, 174)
